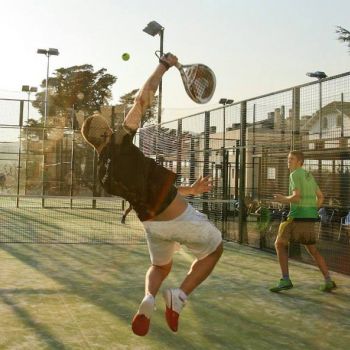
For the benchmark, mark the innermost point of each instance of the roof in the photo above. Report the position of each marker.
(335, 106)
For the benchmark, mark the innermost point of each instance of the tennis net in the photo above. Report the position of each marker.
(53, 219)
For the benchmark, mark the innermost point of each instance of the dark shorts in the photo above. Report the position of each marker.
(303, 232)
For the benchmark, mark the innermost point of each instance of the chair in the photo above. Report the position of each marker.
(326, 218)
(344, 222)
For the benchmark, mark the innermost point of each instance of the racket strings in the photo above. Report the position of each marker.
(201, 83)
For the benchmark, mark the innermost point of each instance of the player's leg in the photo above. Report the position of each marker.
(321, 263)
(155, 277)
(175, 298)
(161, 253)
(200, 270)
(153, 280)
(281, 246)
(128, 210)
(125, 213)
(204, 240)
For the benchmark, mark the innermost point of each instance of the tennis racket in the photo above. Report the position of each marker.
(199, 81)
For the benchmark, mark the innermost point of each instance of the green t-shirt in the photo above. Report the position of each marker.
(303, 181)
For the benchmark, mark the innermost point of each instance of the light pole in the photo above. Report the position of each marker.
(29, 89)
(224, 102)
(224, 167)
(153, 28)
(47, 53)
(319, 75)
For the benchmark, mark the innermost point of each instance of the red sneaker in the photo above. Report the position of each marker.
(174, 305)
(142, 319)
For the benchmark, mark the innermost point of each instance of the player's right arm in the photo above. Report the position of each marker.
(145, 96)
(201, 185)
(293, 198)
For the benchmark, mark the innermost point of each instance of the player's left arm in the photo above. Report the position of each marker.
(201, 185)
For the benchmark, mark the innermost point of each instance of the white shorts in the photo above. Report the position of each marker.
(191, 228)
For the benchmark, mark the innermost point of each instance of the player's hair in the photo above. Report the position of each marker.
(94, 130)
(299, 155)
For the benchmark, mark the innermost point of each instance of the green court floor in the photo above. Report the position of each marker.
(84, 296)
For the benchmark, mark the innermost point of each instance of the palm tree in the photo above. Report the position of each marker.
(344, 35)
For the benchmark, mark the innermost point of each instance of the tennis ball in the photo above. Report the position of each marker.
(125, 56)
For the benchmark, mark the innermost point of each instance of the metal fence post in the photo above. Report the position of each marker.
(296, 119)
(236, 169)
(192, 160)
(294, 248)
(21, 107)
(224, 170)
(242, 172)
(206, 149)
(178, 152)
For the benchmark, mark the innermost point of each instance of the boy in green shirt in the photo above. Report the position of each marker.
(304, 198)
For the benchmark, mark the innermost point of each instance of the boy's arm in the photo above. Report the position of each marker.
(320, 198)
(296, 194)
(293, 198)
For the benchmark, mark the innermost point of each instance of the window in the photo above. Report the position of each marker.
(271, 173)
(324, 123)
(339, 121)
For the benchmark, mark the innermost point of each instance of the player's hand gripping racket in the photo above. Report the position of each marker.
(198, 79)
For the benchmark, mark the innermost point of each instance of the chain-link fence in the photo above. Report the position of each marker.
(243, 146)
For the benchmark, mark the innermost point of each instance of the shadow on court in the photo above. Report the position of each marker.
(84, 297)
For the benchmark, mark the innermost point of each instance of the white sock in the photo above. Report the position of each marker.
(149, 298)
(147, 305)
(182, 295)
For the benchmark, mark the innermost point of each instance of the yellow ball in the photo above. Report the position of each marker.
(125, 56)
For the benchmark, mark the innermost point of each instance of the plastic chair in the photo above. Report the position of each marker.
(344, 222)
(326, 218)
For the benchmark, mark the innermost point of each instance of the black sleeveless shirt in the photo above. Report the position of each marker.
(126, 172)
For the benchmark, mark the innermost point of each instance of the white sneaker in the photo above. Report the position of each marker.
(141, 321)
(174, 305)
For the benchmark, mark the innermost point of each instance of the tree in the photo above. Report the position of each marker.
(127, 100)
(344, 35)
(76, 87)
(34, 130)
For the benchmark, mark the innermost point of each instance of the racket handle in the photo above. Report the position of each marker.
(164, 63)
(178, 65)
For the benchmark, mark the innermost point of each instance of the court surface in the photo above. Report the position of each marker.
(76, 296)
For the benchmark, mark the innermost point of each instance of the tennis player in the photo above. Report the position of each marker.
(168, 219)
(301, 225)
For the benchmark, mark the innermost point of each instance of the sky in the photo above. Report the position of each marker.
(253, 46)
